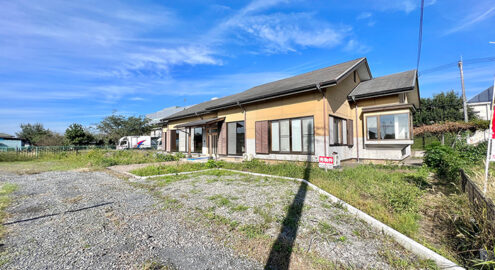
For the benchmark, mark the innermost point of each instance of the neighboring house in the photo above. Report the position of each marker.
(9, 141)
(157, 116)
(338, 109)
(481, 103)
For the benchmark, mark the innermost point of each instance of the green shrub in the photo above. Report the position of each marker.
(480, 124)
(447, 161)
(166, 157)
(444, 160)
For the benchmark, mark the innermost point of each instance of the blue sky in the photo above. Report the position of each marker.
(78, 61)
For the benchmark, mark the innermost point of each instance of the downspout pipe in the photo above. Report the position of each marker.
(245, 133)
(324, 118)
(357, 129)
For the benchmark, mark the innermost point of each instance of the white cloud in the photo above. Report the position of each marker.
(472, 19)
(406, 6)
(281, 32)
(364, 15)
(356, 46)
(137, 99)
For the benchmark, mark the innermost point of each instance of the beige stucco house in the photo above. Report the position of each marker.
(338, 109)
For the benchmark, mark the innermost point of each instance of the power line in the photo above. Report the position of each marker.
(454, 64)
(420, 38)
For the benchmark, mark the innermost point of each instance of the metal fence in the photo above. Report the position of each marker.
(37, 151)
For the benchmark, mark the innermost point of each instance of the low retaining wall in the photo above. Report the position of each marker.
(479, 203)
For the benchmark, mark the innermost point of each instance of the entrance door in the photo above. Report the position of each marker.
(213, 140)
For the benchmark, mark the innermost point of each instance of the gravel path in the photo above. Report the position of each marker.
(93, 220)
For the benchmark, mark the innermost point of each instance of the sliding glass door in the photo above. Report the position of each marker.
(235, 138)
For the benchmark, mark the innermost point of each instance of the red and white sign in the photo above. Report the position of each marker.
(492, 144)
(325, 160)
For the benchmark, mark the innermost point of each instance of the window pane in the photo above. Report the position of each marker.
(296, 135)
(344, 131)
(336, 131)
(372, 128)
(284, 136)
(240, 138)
(198, 140)
(308, 135)
(231, 138)
(387, 127)
(402, 126)
(275, 137)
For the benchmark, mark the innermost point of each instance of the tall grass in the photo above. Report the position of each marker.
(93, 158)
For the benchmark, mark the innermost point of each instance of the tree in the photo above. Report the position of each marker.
(115, 127)
(33, 133)
(441, 108)
(51, 139)
(76, 135)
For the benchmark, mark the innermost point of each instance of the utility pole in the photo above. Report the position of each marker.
(464, 105)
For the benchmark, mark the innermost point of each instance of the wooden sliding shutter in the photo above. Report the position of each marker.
(222, 140)
(164, 141)
(261, 137)
(350, 135)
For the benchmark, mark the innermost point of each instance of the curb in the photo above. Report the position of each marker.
(406, 242)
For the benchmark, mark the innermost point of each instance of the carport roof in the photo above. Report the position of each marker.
(200, 122)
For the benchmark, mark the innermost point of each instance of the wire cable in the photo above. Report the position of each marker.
(420, 38)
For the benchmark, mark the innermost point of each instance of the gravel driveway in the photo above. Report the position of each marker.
(208, 220)
(93, 220)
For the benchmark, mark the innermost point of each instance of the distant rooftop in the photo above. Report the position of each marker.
(157, 116)
(485, 96)
(5, 135)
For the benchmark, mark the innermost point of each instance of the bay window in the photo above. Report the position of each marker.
(292, 135)
(388, 127)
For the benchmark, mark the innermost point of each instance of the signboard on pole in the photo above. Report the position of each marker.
(490, 151)
(325, 162)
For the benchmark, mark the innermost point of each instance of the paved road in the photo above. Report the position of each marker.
(92, 220)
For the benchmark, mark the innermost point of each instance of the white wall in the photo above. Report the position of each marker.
(481, 109)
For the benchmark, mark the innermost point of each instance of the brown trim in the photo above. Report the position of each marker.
(387, 108)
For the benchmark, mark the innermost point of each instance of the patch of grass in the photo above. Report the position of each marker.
(62, 161)
(170, 203)
(326, 228)
(232, 224)
(265, 214)
(253, 231)
(239, 208)
(220, 200)
(341, 239)
(169, 169)
(398, 262)
(5, 190)
(195, 191)
(165, 180)
(323, 197)
(153, 265)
